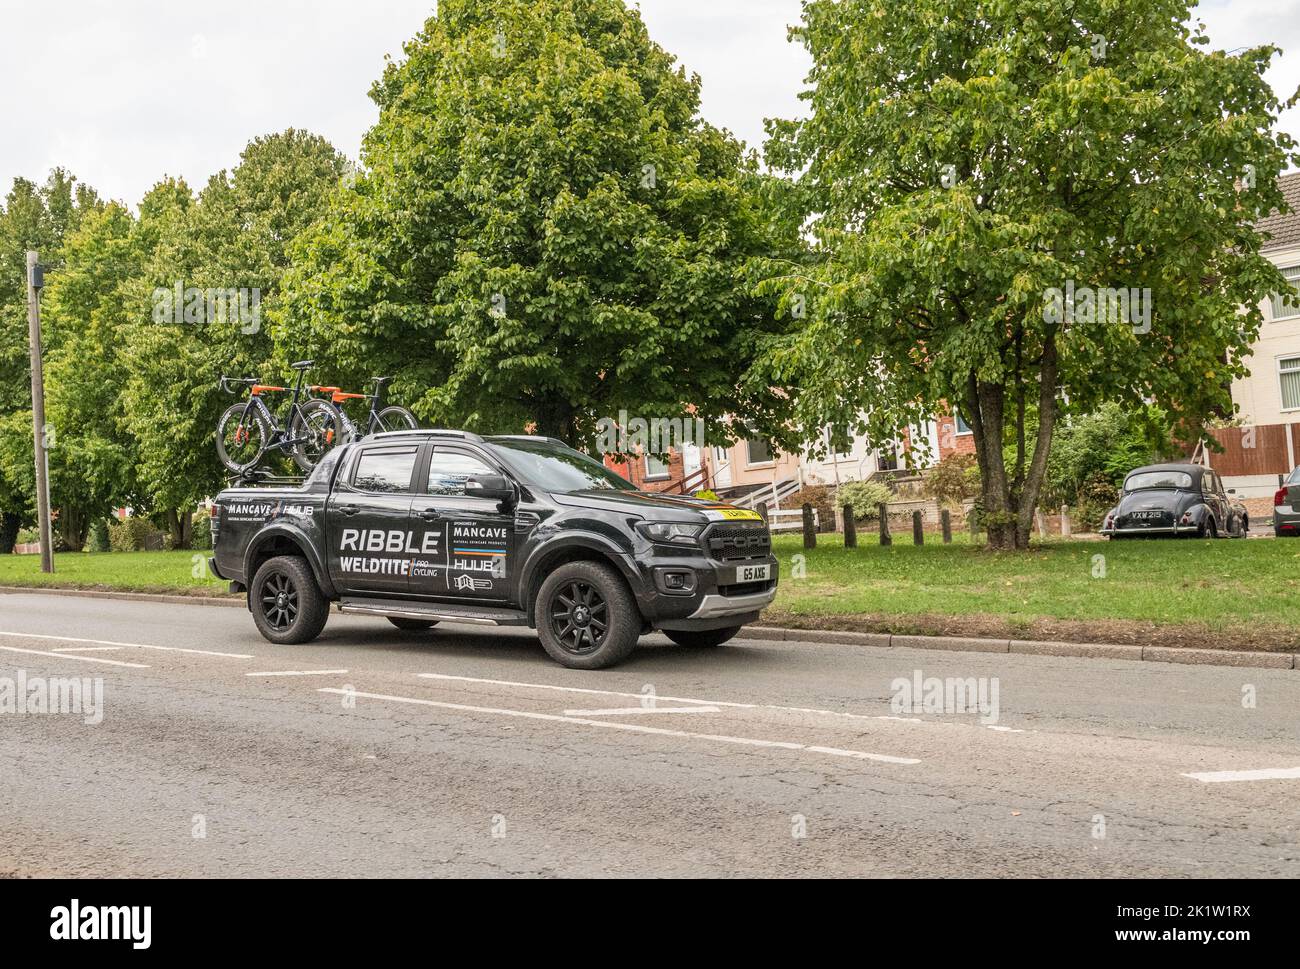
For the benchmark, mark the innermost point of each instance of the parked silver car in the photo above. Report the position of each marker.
(1286, 506)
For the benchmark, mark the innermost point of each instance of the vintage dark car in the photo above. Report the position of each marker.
(1176, 499)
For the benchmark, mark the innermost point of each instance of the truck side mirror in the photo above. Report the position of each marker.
(496, 486)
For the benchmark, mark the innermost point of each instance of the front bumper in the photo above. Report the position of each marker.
(1159, 530)
(715, 606)
(719, 596)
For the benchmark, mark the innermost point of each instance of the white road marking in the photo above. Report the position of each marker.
(298, 673)
(683, 699)
(629, 727)
(85, 649)
(109, 642)
(84, 659)
(1268, 774)
(621, 711)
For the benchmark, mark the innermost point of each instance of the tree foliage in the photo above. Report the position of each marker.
(964, 161)
(545, 231)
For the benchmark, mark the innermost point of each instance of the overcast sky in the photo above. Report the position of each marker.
(124, 92)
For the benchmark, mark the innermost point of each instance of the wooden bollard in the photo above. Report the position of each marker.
(918, 533)
(850, 527)
(809, 530)
(945, 520)
(885, 537)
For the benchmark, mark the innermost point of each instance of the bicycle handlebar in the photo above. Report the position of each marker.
(226, 383)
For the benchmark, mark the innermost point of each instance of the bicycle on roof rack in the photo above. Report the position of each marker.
(247, 431)
(380, 419)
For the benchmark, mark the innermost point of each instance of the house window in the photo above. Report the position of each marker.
(887, 458)
(655, 468)
(1288, 303)
(1288, 370)
(962, 426)
(759, 451)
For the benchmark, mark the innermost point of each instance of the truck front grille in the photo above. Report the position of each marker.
(733, 541)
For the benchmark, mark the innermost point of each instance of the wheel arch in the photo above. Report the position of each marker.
(550, 557)
(285, 540)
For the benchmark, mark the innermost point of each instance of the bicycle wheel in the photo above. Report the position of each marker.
(241, 439)
(395, 419)
(317, 426)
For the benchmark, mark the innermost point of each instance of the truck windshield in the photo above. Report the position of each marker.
(556, 468)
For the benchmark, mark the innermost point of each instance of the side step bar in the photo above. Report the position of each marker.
(436, 611)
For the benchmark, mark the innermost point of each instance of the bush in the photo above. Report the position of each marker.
(134, 535)
(1101, 447)
(954, 479)
(1096, 496)
(97, 540)
(820, 497)
(707, 494)
(864, 496)
(201, 536)
(28, 536)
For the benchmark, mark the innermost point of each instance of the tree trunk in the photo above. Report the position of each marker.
(177, 529)
(1008, 508)
(555, 419)
(72, 530)
(10, 525)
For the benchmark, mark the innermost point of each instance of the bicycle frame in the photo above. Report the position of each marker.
(279, 429)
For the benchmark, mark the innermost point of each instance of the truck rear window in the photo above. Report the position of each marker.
(388, 470)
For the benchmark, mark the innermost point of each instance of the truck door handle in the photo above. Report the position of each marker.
(348, 509)
(430, 514)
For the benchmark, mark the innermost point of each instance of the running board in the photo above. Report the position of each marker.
(436, 611)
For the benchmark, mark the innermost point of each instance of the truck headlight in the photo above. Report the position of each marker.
(671, 533)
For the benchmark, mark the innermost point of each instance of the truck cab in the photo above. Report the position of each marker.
(421, 527)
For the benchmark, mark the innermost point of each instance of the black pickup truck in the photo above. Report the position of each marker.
(422, 527)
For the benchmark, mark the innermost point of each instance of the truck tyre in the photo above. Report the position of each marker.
(412, 625)
(701, 638)
(586, 616)
(286, 602)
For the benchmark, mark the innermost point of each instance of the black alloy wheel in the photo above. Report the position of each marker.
(279, 601)
(579, 617)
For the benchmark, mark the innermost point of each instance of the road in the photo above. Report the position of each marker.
(462, 752)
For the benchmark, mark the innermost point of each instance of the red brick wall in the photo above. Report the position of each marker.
(634, 470)
(950, 442)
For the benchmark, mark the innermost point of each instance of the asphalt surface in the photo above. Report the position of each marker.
(467, 752)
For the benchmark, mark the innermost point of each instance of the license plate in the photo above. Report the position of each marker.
(1148, 515)
(753, 573)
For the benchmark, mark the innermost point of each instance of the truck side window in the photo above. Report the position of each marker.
(449, 469)
(387, 470)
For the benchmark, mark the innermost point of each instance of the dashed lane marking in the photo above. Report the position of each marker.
(298, 673)
(109, 642)
(1228, 776)
(84, 659)
(629, 727)
(631, 711)
(693, 700)
(85, 649)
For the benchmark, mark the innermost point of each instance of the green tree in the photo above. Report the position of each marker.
(32, 217)
(545, 231)
(235, 235)
(968, 164)
(86, 309)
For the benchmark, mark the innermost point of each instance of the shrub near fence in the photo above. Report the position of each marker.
(134, 535)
